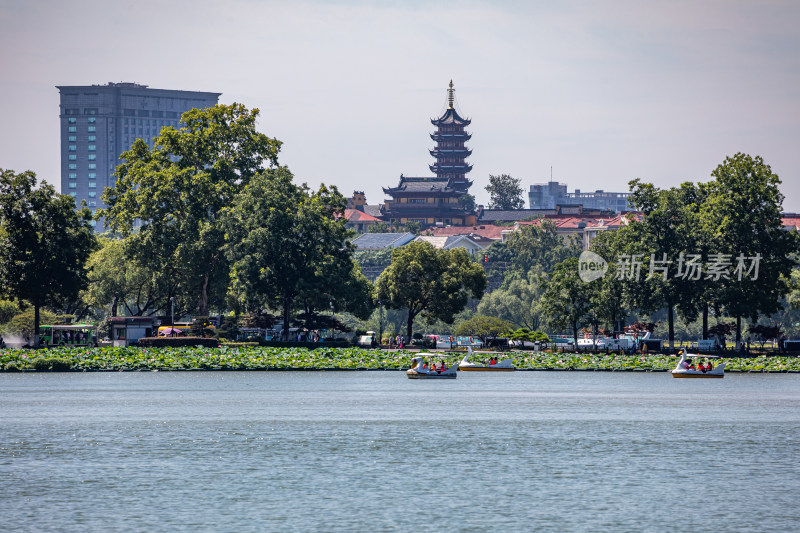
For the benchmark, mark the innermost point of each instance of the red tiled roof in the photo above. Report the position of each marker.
(571, 222)
(791, 222)
(354, 215)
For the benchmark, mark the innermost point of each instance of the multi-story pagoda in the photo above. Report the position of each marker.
(437, 200)
(450, 151)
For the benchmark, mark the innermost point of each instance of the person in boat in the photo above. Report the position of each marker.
(492, 360)
(444, 366)
(709, 367)
(690, 365)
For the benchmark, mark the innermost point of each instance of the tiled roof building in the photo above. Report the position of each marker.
(382, 241)
(435, 200)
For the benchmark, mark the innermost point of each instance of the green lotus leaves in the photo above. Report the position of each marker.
(263, 358)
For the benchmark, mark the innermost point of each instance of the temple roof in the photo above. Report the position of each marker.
(421, 184)
(450, 116)
(457, 152)
(436, 167)
(462, 135)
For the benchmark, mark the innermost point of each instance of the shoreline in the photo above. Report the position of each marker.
(266, 359)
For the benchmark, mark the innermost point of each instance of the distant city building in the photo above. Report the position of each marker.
(551, 194)
(99, 122)
(435, 200)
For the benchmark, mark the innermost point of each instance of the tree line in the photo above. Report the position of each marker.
(209, 219)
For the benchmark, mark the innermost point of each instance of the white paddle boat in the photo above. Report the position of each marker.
(497, 366)
(422, 369)
(687, 369)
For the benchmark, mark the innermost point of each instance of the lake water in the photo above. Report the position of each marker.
(374, 451)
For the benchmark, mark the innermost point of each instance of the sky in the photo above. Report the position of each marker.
(594, 93)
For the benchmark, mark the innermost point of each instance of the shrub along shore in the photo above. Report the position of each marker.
(110, 359)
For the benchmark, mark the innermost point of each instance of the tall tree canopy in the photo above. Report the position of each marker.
(743, 218)
(516, 301)
(664, 240)
(288, 249)
(505, 192)
(435, 283)
(167, 200)
(117, 283)
(567, 300)
(44, 243)
(538, 247)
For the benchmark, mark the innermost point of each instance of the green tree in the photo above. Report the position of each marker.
(538, 247)
(378, 227)
(743, 217)
(664, 241)
(517, 301)
(44, 243)
(567, 300)
(435, 283)
(609, 298)
(485, 327)
(505, 192)
(25, 322)
(116, 282)
(525, 335)
(176, 191)
(8, 310)
(467, 202)
(287, 248)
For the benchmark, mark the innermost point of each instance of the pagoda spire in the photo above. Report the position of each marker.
(450, 92)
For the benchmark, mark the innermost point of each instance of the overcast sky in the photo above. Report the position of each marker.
(602, 92)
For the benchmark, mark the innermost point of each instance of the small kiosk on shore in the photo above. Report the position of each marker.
(127, 330)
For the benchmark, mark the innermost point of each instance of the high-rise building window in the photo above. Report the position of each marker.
(92, 166)
(92, 184)
(72, 175)
(92, 129)
(73, 194)
(73, 138)
(92, 175)
(72, 120)
(72, 148)
(92, 120)
(92, 157)
(73, 166)
(73, 185)
(92, 194)
(72, 129)
(92, 147)
(73, 157)
(92, 138)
